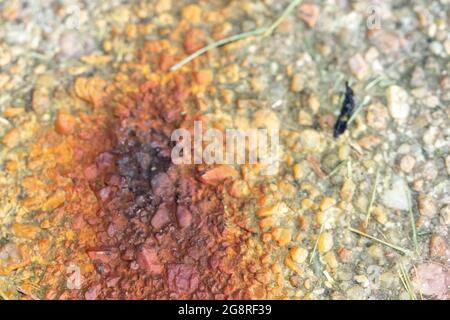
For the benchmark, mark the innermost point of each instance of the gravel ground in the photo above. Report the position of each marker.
(83, 82)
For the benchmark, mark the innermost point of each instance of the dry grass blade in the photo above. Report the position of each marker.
(26, 293)
(329, 278)
(349, 169)
(372, 198)
(336, 169)
(285, 13)
(419, 281)
(393, 246)
(258, 32)
(406, 281)
(412, 220)
(358, 110)
(316, 243)
(3, 295)
(217, 44)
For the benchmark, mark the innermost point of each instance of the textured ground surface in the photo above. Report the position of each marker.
(93, 208)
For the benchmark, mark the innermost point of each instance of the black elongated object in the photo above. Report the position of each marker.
(346, 112)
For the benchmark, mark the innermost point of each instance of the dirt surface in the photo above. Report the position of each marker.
(93, 208)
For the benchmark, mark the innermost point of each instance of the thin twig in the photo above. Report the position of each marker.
(372, 198)
(258, 32)
(393, 246)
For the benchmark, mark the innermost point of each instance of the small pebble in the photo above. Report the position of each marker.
(418, 77)
(437, 48)
(163, 5)
(362, 279)
(347, 190)
(375, 251)
(304, 118)
(312, 141)
(265, 119)
(430, 135)
(387, 279)
(192, 13)
(356, 293)
(359, 66)
(65, 123)
(298, 254)
(282, 236)
(12, 138)
(430, 279)
(438, 246)
(298, 83)
(398, 105)
(407, 163)
(309, 12)
(4, 79)
(344, 254)
(396, 198)
(377, 116)
(313, 103)
(369, 141)
(380, 215)
(204, 77)
(330, 260)
(279, 208)
(297, 171)
(326, 203)
(445, 214)
(325, 242)
(427, 206)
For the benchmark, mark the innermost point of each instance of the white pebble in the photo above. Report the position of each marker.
(397, 99)
(396, 198)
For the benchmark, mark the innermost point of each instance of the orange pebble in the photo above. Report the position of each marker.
(65, 123)
(11, 166)
(12, 112)
(12, 138)
(203, 77)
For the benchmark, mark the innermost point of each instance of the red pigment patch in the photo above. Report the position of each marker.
(146, 228)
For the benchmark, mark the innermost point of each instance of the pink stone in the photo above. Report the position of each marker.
(161, 217)
(93, 292)
(105, 256)
(184, 217)
(183, 278)
(90, 172)
(431, 279)
(104, 193)
(149, 261)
